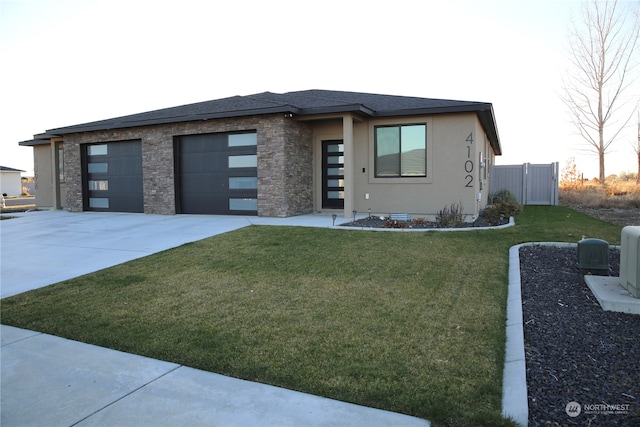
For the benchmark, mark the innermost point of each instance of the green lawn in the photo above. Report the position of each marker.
(408, 322)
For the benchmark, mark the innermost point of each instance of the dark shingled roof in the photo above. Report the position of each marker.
(300, 103)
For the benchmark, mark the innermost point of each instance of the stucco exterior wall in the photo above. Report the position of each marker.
(284, 148)
(454, 174)
(50, 191)
(43, 174)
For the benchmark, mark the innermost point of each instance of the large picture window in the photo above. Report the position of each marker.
(400, 151)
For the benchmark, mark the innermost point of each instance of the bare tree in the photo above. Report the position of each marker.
(603, 52)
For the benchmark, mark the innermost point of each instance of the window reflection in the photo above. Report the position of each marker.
(250, 161)
(400, 150)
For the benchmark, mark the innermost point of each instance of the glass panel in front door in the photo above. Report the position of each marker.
(333, 174)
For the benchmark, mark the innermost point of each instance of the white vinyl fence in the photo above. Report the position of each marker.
(531, 184)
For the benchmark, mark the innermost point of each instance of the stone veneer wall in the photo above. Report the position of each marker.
(285, 168)
(284, 162)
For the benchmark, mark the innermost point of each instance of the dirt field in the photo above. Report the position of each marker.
(621, 217)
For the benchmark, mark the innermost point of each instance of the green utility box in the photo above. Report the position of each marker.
(593, 257)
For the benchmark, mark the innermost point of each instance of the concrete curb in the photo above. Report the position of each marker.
(515, 404)
(410, 230)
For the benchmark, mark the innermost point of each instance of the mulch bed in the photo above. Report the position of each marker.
(575, 351)
(377, 222)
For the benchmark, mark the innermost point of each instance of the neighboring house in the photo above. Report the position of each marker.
(48, 167)
(276, 155)
(10, 181)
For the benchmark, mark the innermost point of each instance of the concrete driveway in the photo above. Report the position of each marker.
(44, 247)
(47, 380)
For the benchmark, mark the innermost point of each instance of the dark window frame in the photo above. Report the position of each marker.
(375, 154)
(60, 161)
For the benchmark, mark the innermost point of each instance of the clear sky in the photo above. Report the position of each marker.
(66, 62)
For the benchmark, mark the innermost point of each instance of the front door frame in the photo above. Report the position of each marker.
(328, 179)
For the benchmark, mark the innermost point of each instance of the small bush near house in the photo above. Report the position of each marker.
(419, 221)
(503, 204)
(492, 215)
(450, 216)
(506, 201)
(395, 223)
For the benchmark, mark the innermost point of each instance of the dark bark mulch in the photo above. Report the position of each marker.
(575, 351)
(377, 222)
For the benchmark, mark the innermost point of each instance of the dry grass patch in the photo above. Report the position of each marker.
(616, 195)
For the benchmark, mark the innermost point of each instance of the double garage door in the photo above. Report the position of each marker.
(215, 174)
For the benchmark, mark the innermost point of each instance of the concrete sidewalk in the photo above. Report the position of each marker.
(52, 381)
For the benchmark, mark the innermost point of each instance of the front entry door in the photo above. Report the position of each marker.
(333, 174)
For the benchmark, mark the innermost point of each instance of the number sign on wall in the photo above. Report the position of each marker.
(468, 165)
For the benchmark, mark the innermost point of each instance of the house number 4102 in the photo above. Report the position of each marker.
(468, 165)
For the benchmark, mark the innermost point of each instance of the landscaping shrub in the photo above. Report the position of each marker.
(419, 221)
(503, 205)
(395, 223)
(450, 216)
(506, 202)
(492, 215)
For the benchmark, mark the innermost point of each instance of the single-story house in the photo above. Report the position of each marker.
(276, 155)
(10, 181)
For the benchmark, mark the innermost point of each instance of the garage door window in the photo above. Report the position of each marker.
(98, 167)
(243, 182)
(250, 161)
(99, 202)
(243, 140)
(99, 185)
(243, 204)
(98, 150)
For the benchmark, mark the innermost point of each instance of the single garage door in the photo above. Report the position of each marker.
(217, 174)
(112, 177)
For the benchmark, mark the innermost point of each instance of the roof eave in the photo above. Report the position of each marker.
(39, 139)
(93, 127)
(348, 108)
(483, 110)
(488, 121)
(429, 110)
